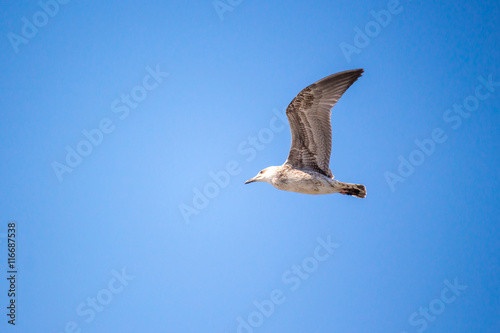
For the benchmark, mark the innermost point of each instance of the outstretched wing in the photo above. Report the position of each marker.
(309, 115)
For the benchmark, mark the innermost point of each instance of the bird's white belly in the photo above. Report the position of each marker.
(305, 182)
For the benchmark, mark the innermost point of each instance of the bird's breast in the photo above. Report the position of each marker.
(306, 182)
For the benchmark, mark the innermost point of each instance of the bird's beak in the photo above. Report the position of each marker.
(250, 181)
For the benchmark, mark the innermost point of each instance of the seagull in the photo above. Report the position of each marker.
(307, 168)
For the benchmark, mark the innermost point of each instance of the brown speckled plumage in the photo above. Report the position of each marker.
(304, 99)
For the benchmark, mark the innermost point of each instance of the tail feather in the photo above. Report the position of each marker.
(357, 190)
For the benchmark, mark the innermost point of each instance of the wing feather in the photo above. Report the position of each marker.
(309, 115)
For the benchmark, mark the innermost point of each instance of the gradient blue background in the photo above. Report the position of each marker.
(120, 207)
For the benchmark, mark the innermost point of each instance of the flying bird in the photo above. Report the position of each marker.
(307, 168)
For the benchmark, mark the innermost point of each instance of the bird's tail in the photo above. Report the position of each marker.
(357, 190)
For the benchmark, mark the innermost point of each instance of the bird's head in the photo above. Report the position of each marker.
(265, 175)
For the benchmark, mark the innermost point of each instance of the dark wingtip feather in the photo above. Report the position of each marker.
(351, 75)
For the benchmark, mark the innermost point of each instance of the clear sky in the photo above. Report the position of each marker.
(128, 129)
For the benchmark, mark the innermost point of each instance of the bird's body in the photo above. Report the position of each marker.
(302, 181)
(286, 178)
(307, 168)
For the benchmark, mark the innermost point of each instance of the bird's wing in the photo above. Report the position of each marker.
(309, 115)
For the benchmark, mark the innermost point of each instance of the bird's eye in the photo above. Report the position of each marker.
(261, 172)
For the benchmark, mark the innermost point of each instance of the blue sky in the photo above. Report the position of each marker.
(129, 128)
